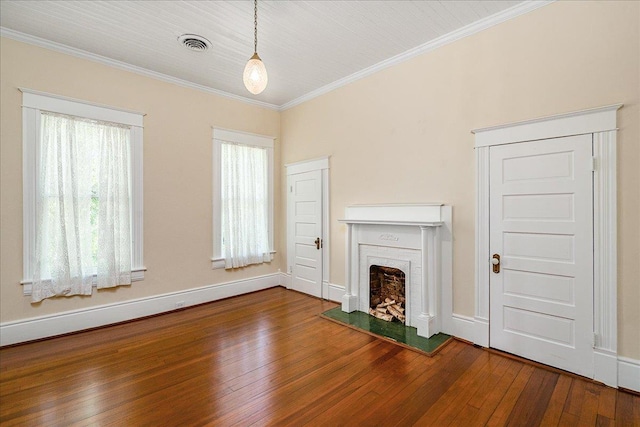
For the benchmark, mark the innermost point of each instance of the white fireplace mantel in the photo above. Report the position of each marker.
(424, 214)
(396, 228)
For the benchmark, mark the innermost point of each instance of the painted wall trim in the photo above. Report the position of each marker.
(332, 292)
(44, 101)
(629, 373)
(137, 275)
(463, 327)
(482, 269)
(303, 166)
(33, 103)
(307, 165)
(83, 54)
(285, 280)
(605, 265)
(600, 119)
(601, 123)
(451, 37)
(219, 137)
(605, 367)
(77, 320)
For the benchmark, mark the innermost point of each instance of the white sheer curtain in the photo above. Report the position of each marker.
(114, 218)
(244, 205)
(82, 207)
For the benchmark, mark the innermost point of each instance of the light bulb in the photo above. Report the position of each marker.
(255, 75)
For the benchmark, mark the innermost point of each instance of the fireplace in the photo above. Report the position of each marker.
(387, 293)
(410, 247)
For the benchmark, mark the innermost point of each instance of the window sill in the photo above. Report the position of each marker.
(218, 263)
(137, 275)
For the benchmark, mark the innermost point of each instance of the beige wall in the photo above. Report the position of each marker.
(403, 134)
(177, 172)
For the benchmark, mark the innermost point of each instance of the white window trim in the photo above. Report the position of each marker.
(225, 135)
(32, 103)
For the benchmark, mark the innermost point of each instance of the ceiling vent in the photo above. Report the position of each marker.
(194, 42)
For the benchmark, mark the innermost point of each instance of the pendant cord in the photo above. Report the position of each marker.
(255, 26)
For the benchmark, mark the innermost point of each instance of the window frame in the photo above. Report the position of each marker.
(33, 102)
(243, 138)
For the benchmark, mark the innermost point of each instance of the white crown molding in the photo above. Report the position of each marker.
(468, 30)
(79, 53)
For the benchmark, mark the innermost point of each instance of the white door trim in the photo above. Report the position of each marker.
(592, 120)
(601, 122)
(322, 164)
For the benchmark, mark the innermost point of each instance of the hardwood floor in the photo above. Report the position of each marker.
(267, 359)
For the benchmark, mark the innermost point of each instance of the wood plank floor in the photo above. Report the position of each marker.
(267, 359)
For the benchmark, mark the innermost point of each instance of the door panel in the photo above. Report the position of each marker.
(547, 246)
(546, 287)
(525, 207)
(541, 225)
(306, 199)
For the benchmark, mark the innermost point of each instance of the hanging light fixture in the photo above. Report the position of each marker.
(255, 73)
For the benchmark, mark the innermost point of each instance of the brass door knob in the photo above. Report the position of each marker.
(495, 260)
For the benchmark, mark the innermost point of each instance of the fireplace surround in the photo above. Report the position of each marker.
(415, 239)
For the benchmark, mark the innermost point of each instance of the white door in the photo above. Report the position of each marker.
(541, 227)
(305, 192)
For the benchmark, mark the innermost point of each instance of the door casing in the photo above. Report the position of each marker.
(601, 123)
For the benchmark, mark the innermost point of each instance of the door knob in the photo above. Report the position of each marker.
(318, 242)
(495, 260)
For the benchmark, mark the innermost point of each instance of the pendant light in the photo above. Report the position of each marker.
(255, 73)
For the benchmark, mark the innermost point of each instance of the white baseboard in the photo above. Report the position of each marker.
(481, 331)
(629, 373)
(605, 367)
(609, 368)
(332, 292)
(77, 320)
(285, 280)
(463, 327)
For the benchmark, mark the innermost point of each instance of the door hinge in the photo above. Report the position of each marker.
(594, 164)
(291, 189)
(594, 342)
(290, 270)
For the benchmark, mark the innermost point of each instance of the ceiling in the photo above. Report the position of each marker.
(308, 47)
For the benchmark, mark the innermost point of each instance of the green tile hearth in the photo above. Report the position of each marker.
(394, 331)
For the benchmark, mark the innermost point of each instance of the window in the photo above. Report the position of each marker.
(82, 173)
(243, 199)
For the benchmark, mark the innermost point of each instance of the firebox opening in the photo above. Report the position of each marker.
(387, 293)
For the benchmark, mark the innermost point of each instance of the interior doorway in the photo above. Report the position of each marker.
(307, 226)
